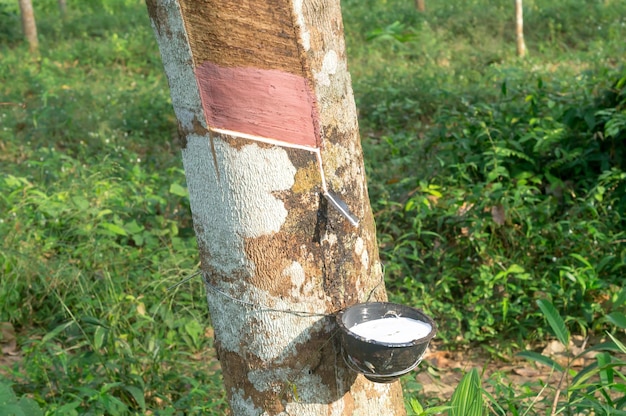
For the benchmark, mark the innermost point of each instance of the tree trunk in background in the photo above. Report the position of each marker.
(63, 8)
(258, 88)
(519, 29)
(420, 5)
(28, 24)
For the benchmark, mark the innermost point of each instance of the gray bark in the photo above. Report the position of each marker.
(28, 24)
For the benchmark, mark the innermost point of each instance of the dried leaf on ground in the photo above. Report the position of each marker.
(8, 341)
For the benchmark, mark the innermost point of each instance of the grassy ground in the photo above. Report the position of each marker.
(495, 181)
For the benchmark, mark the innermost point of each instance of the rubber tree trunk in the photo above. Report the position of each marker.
(519, 29)
(420, 5)
(28, 24)
(262, 93)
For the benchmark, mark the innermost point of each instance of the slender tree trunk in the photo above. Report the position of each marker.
(420, 5)
(63, 8)
(28, 24)
(262, 94)
(519, 29)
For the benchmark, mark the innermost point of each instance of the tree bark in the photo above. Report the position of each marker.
(519, 29)
(28, 24)
(420, 5)
(262, 93)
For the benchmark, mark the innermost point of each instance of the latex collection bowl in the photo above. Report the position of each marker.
(381, 361)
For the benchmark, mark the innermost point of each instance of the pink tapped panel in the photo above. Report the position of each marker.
(261, 102)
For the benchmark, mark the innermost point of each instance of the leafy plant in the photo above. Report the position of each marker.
(511, 206)
(598, 386)
(11, 405)
(467, 399)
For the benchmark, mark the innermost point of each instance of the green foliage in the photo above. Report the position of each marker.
(10, 405)
(417, 409)
(554, 319)
(95, 223)
(467, 399)
(493, 181)
(496, 182)
(87, 258)
(598, 386)
(505, 200)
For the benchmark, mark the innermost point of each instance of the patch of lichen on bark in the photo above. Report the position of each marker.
(316, 356)
(295, 242)
(236, 366)
(271, 255)
(307, 179)
(213, 276)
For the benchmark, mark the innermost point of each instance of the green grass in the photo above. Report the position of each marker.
(495, 182)
(96, 222)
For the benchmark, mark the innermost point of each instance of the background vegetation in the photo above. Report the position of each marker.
(496, 183)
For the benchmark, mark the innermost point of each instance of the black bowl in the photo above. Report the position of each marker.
(382, 362)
